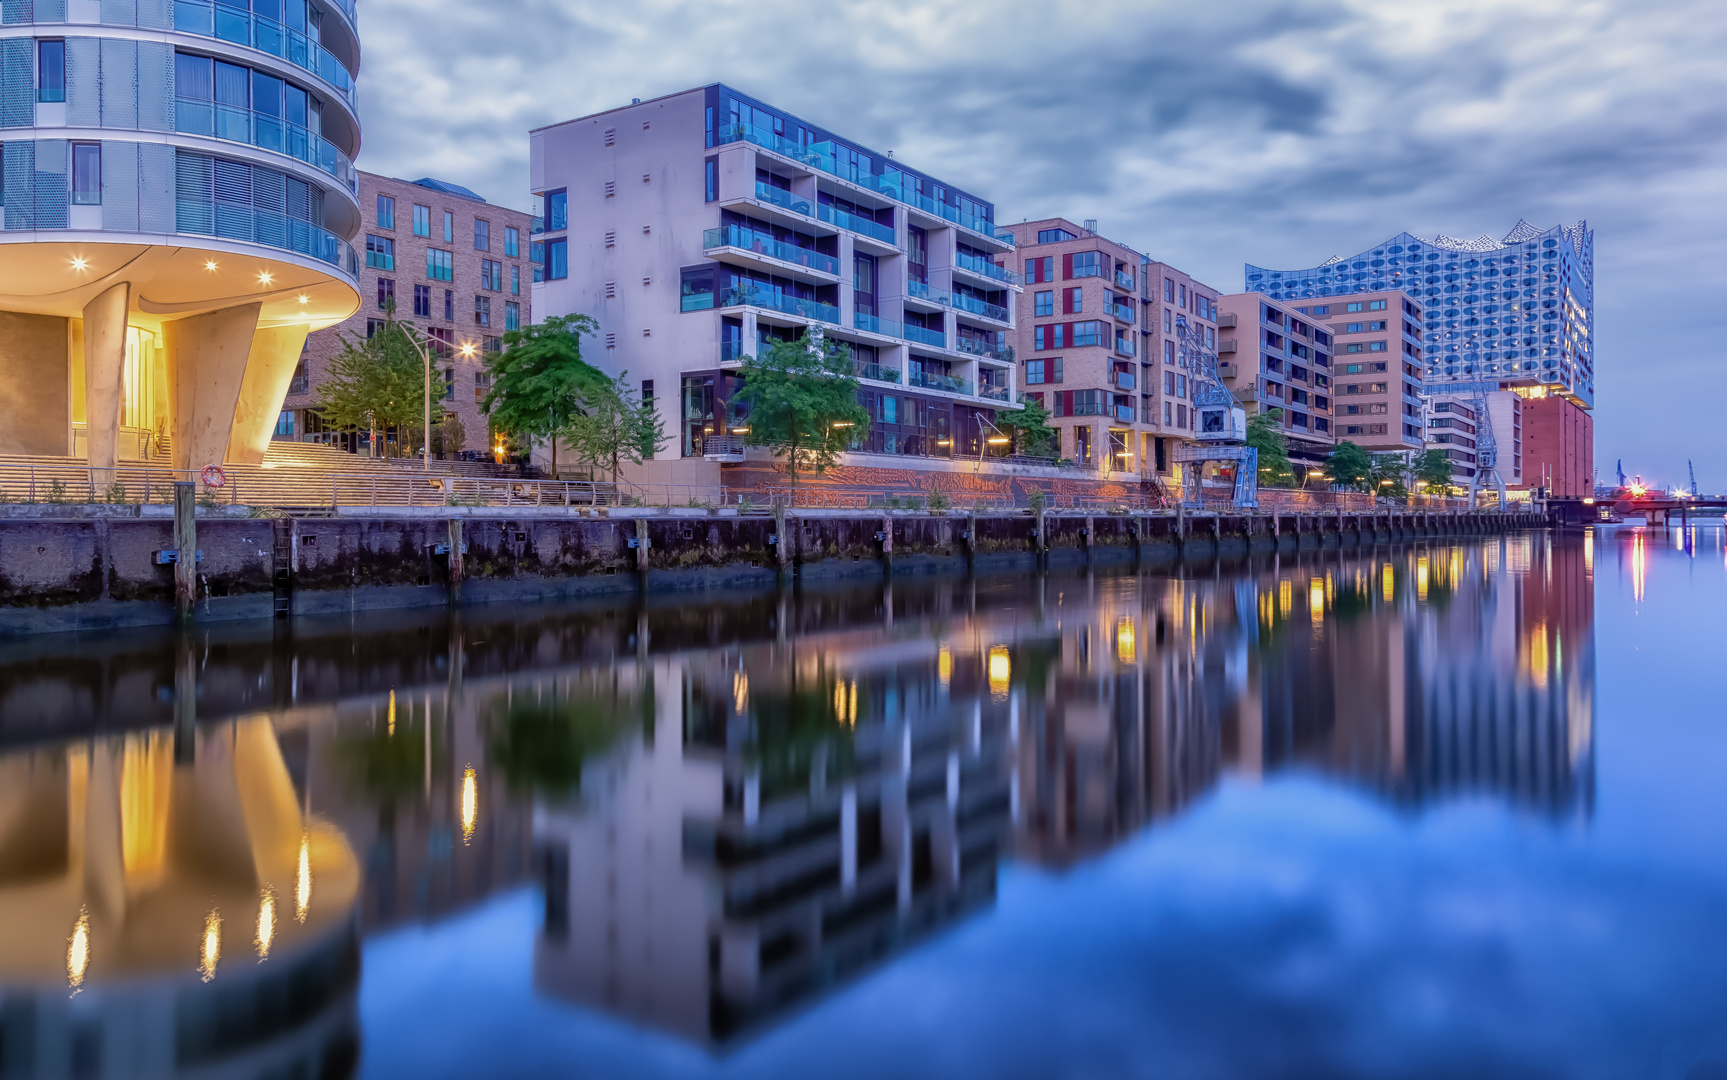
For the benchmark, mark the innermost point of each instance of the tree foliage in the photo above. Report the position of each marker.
(1349, 466)
(1028, 429)
(1434, 469)
(616, 426)
(1265, 434)
(540, 383)
(1390, 475)
(378, 383)
(802, 402)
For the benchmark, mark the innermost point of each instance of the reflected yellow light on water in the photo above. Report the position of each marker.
(303, 879)
(1421, 579)
(1316, 598)
(1538, 655)
(1388, 583)
(1126, 649)
(1000, 667)
(470, 804)
(266, 922)
(210, 951)
(1285, 597)
(840, 700)
(392, 719)
(78, 951)
(944, 666)
(1589, 553)
(1639, 565)
(852, 704)
(740, 691)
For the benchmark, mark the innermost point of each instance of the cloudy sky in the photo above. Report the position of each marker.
(1207, 135)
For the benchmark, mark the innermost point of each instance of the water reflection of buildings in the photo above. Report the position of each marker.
(166, 908)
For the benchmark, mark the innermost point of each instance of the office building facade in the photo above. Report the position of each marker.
(456, 267)
(700, 227)
(1118, 347)
(179, 201)
(1274, 356)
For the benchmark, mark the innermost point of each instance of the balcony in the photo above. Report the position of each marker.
(774, 300)
(760, 243)
(951, 384)
(1123, 281)
(1126, 347)
(924, 336)
(266, 133)
(876, 372)
(1123, 413)
(1089, 408)
(243, 28)
(783, 199)
(1226, 345)
(1226, 369)
(993, 393)
(875, 324)
(922, 290)
(199, 218)
(731, 352)
(1226, 321)
(973, 264)
(863, 226)
(1124, 380)
(1121, 311)
(728, 448)
(983, 308)
(974, 347)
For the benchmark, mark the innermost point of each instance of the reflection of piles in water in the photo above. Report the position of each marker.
(756, 847)
(203, 921)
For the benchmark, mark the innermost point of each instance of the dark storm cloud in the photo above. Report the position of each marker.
(1277, 133)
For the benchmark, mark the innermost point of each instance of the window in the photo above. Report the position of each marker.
(449, 306)
(86, 174)
(512, 315)
(1353, 347)
(381, 253)
(1040, 337)
(50, 70)
(1354, 307)
(1086, 264)
(449, 227)
(557, 260)
(1087, 333)
(1168, 296)
(1043, 371)
(423, 301)
(491, 275)
(443, 341)
(512, 241)
(285, 423)
(386, 293)
(1072, 300)
(492, 345)
(482, 386)
(1054, 236)
(515, 280)
(1045, 304)
(1376, 305)
(1038, 270)
(557, 210)
(372, 327)
(386, 212)
(482, 235)
(422, 220)
(482, 311)
(1167, 326)
(1168, 351)
(449, 384)
(440, 265)
(711, 179)
(1376, 346)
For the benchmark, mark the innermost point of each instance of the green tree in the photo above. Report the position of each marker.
(377, 384)
(1433, 468)
(617, 426)
(802, 402)
(1390, 475)
(449, 436)
(541, 746)
(1349, 466)
(540, 382)
(1265, 434)
(1027, 428)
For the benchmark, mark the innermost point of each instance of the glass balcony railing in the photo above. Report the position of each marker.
(737, 236)
(1125, 346)
(233, 222)
(1121, 311)
(980, 307)
(994, 393)
(1124, 380)
(951, 384)
(876, 372)
(774, 300)
(265, 132)
(977, 347)
(243, 28)
(875, 324)
(924, 336)
(924, 291)
(783, 199)
(1123, 280)
(986, 268)
(852, 222)
(1124, 413)
(732, 352)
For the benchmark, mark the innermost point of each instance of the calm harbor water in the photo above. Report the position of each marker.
(1424, 810)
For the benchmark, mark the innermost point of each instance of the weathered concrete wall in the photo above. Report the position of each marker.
(98, 570)
(35, 394)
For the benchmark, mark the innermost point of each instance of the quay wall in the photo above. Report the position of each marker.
(95, 570)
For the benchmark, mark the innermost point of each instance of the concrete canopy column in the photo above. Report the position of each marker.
(207, 356)
(269, 368)
(104, 372)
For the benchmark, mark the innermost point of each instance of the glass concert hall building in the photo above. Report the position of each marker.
(177, 201)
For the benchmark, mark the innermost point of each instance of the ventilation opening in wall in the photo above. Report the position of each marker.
(611, 136)
(646, 177)
(611, 239)
(611, 188)
(611, 341)
(611, 289)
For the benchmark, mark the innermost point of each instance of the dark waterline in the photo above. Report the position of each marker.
(1427, 810)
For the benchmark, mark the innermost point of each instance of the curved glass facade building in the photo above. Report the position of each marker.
(1519, 311)
(177, 204)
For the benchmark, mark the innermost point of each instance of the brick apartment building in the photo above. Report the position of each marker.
(1113, 344)
(1377, 368)
(1272, 356)
(454, 265)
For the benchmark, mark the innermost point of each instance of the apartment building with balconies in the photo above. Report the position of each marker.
(451, 264)
(1114, 344)
(1377, 363)
(1273, 356)
(699, 227)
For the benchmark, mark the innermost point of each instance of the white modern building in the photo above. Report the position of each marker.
(699, 226)
(179, 197)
